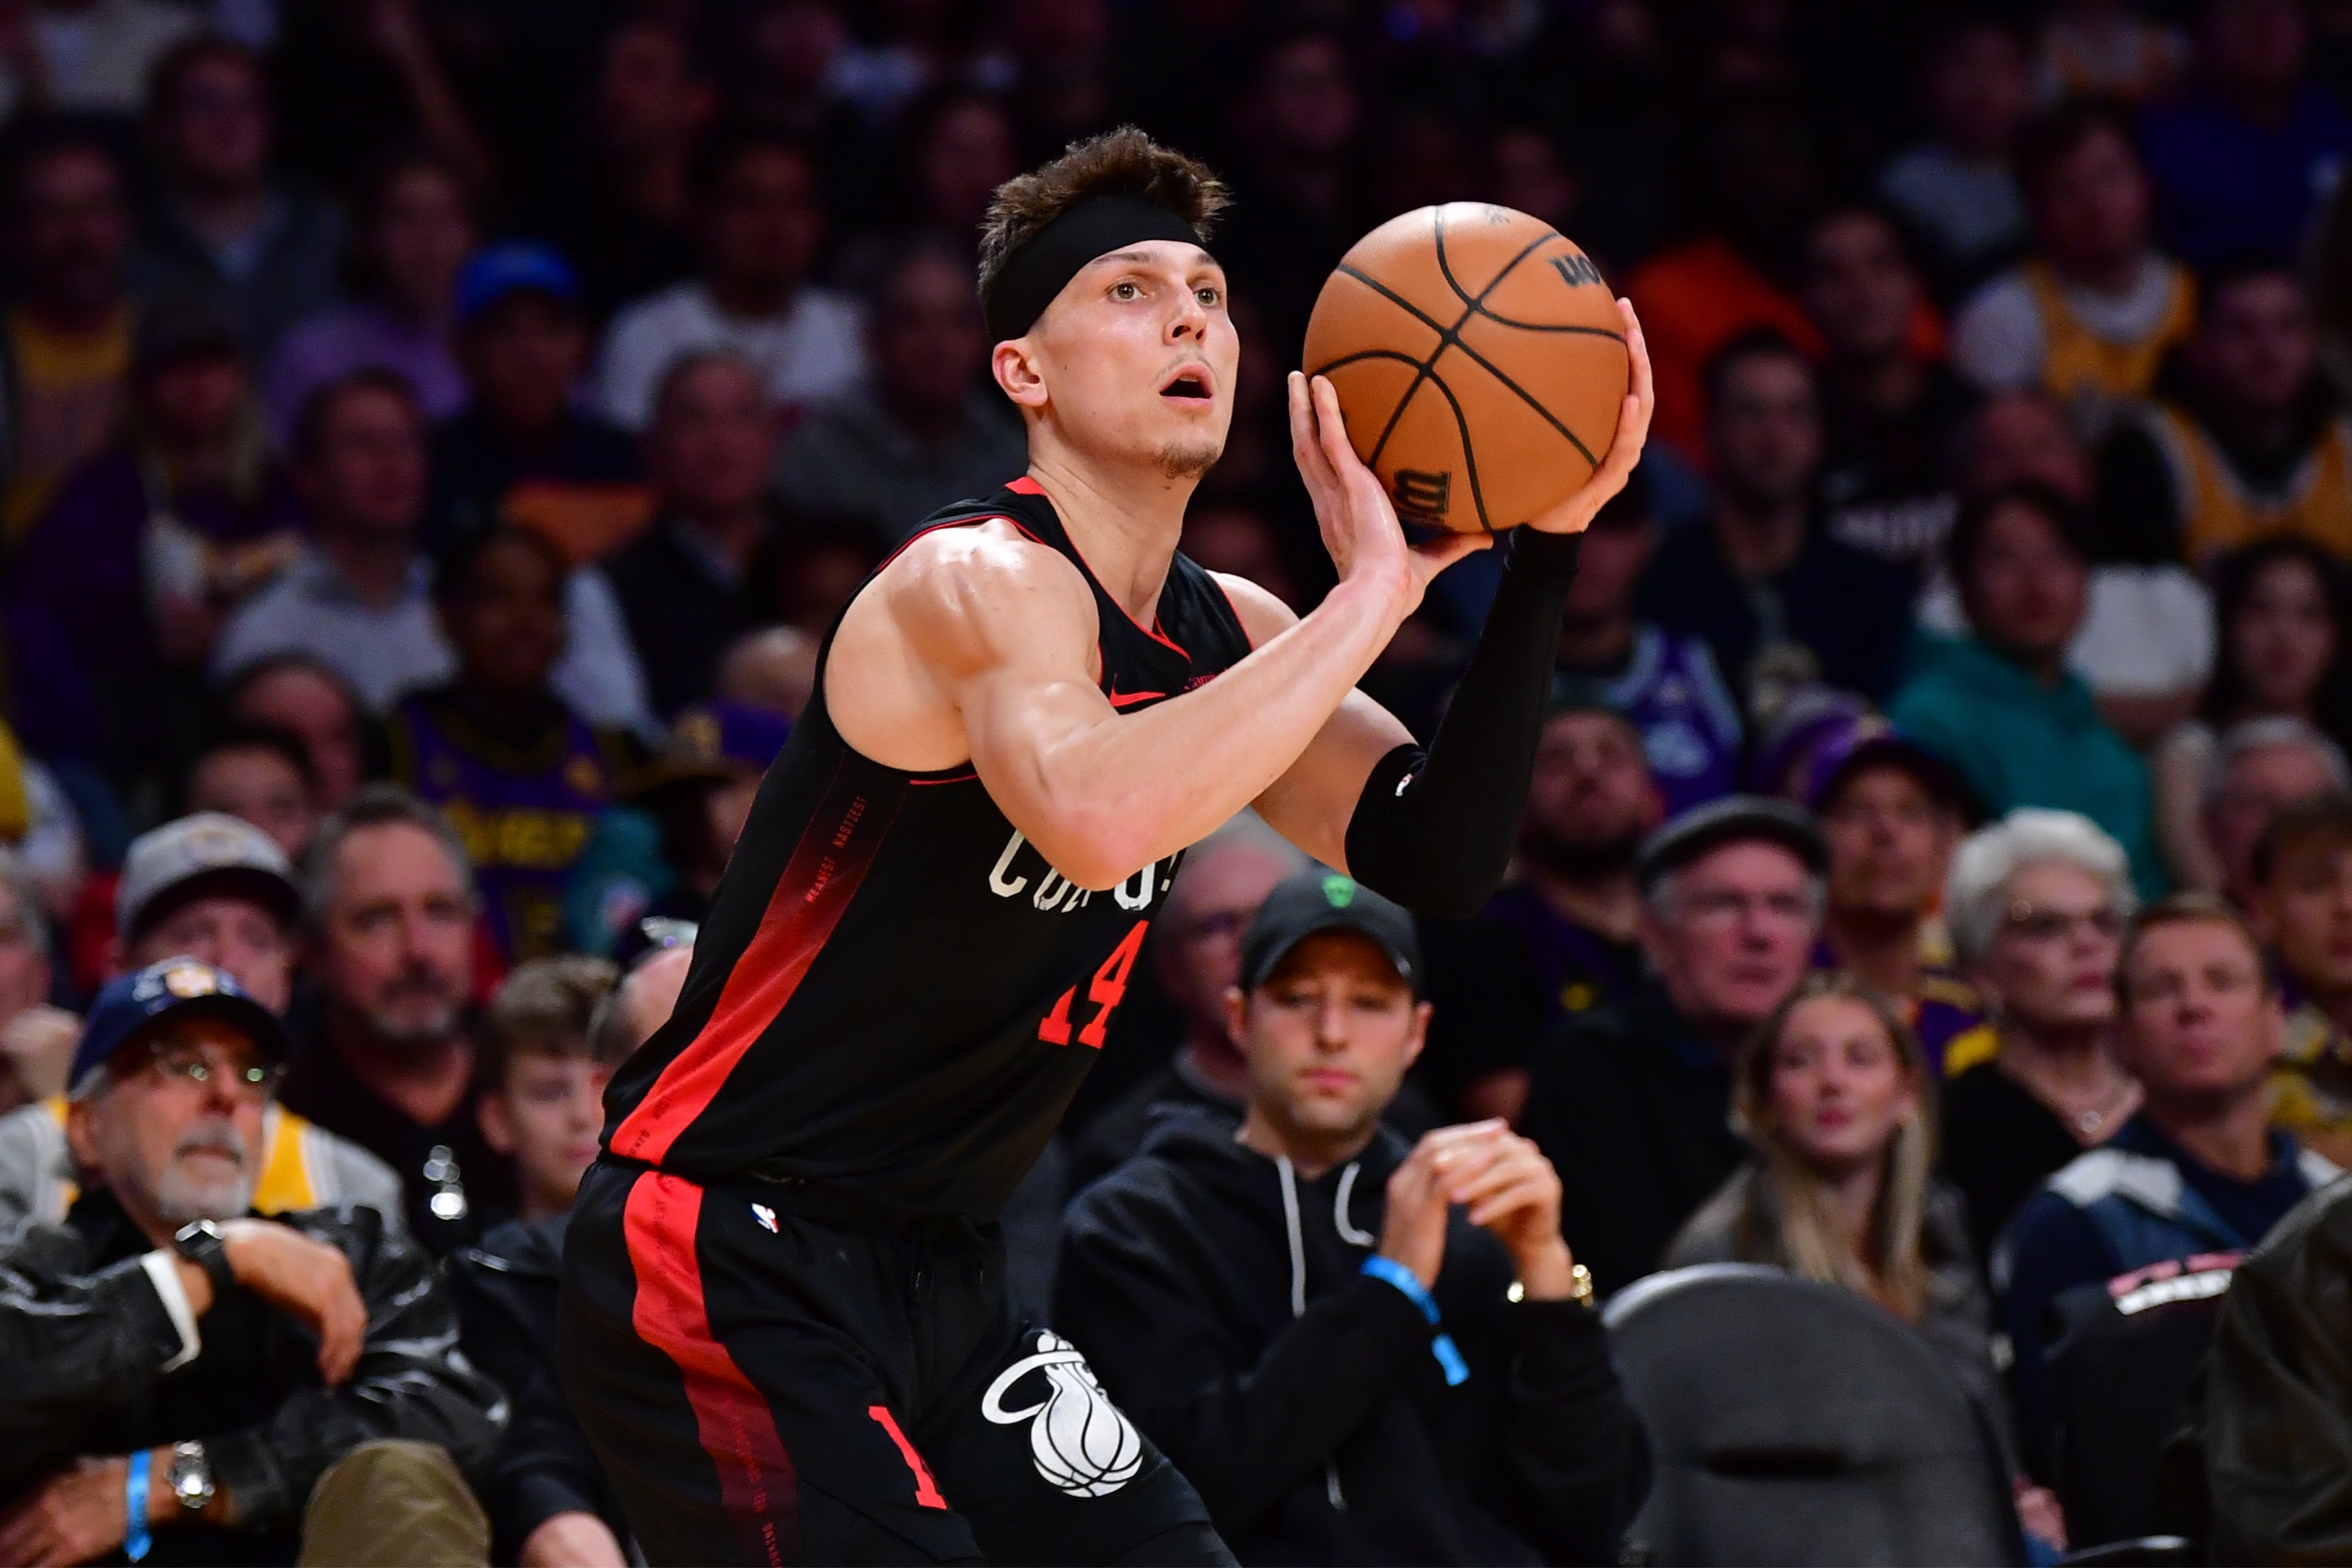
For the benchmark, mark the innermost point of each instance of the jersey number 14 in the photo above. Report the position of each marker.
(1106, 990)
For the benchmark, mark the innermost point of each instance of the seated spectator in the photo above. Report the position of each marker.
(1732, 284)
(213, 890)
(1559, 937)
(2145, 645)
(1196, 951)
(220, 228)
(548, 1499)
(1631, 1100)
(626, 209)
(1890, 815)
(2275, 1445)
(808, 570)
(163, 1317)
(2301, 874)
(519, 775)
(1958, 190)
(2256, 446)
(2107, 48)
(2036, 903)
(1669, 687)
(1889, 412)
(772, 669)
(1296, 1387)
(2241, 159)
(2261, 768)
(264, 775)
(359, 597)
(385, 1058)
(1777, 599)
(543, 1100)
(216, 889)
(417, 229)
(2284, 652)
(33, 1054)
(122, 582)
(763, 225)
(68, 336)
(659, 853)
(310, 700)
(932, 429)
(2002, 706)
(2197, 1168)
(522, 452)
(94, 56)
(1837, 1099)
(682, 582)
(2089, 316)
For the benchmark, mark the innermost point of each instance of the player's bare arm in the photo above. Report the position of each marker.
(1315, 799)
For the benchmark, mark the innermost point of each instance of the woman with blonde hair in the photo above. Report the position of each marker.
(1835, 1095)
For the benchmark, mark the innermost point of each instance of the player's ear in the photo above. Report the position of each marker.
(1014, 366)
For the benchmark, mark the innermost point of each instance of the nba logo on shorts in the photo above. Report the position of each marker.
(766, 1217)
(1079, 1440)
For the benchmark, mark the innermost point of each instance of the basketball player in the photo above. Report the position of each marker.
(785, 1324)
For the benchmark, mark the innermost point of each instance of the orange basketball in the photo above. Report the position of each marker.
(1479, 360)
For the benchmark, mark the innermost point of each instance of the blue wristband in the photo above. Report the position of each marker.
(1448, 1354)
(135, 1539)
(1404, 1280)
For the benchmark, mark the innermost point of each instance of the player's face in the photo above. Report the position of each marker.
(1135, 360)
(1328, 1036)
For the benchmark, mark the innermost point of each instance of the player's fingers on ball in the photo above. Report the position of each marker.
(1333, 427)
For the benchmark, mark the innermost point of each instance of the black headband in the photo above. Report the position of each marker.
(1048, 259)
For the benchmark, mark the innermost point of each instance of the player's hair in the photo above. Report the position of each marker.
(545, 1008)
(1121, 163)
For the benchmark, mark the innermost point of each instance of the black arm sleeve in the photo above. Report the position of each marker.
(1433, 830)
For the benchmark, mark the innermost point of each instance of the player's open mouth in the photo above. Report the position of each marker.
(1188, 387)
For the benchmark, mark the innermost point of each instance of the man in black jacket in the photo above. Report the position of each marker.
(184, 1378)
(1347, 1369)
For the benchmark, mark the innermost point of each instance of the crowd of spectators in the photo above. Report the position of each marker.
(435, 435)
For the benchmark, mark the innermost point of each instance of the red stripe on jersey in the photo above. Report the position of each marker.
(927, 1491)
(758, 1484)
(819, 882)
(1025, 485)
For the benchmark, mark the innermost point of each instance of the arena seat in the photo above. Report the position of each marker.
(1794, 1423)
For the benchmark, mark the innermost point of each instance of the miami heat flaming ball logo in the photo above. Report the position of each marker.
(1080, 1440)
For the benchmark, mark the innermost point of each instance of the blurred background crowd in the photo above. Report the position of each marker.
(435, 434)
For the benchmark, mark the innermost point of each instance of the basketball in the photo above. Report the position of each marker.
(1479, 360)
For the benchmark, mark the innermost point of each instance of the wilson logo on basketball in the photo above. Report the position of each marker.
(1080, 1442)
(1423, 497)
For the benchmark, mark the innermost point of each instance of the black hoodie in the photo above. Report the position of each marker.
(1221, 1301)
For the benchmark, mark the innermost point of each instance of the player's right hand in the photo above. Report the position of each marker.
(308, 1281)
(1360, 527)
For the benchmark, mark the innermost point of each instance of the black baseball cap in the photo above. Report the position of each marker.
(1316, 900)
(1734, 820)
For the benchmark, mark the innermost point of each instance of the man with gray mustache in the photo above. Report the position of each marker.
(191, 1381)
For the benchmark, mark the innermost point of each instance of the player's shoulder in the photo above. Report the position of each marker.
(977, 593)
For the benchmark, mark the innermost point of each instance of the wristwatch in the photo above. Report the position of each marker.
(201, 1242)
(190, 1477)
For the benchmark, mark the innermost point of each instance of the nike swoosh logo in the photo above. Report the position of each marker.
(1128, 699)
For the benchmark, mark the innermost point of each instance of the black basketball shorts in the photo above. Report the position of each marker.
(765, 1389)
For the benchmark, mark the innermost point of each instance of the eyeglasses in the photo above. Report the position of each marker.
(2035, 924)
(178, 1062)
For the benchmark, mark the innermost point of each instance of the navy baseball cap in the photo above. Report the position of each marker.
(1316, 900)
(516, 267)
(175, 987)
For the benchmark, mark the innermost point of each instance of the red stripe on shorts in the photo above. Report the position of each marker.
(820, 880)
(757, 1483)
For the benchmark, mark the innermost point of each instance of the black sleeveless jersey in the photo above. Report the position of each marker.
(894, 994)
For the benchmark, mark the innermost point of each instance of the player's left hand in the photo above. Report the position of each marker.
(1575, 514)
(1511, 1189)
